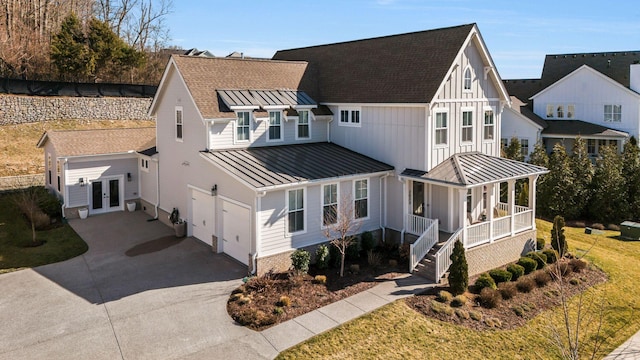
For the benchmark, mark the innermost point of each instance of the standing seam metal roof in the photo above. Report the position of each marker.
(262, 167)
(261, 98)
(470, 169)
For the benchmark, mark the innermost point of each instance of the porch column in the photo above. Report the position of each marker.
(462, 199)
(491, 203)
(511, 201)
(405, 209)
(532, 199)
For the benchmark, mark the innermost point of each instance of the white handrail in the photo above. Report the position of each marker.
(443, 260)
(417, 225)
(523, 220)
(421, 247)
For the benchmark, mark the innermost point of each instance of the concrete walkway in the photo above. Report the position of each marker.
(630, 350)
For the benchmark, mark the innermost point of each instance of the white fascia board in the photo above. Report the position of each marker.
(375, 104)
(243, 107)
(234, 176)
(132, 154)
(325, 180)
(593, 136)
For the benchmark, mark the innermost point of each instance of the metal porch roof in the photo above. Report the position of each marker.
(270, 166)
(262, 98)
(474, 168)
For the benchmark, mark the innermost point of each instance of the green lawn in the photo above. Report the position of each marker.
(398, 332)
(62, 243)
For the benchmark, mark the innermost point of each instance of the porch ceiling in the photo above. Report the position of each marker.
(473, 169)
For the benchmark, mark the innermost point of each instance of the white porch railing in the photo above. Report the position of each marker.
(501, 227)
(417, 225)
(443, 256)
(502, 207)
(477, 234)
(425, 242)
(523, 220)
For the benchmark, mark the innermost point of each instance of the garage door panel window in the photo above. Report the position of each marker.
(295, 214)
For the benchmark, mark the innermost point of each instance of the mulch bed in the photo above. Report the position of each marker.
(258, 304)
(504, 316)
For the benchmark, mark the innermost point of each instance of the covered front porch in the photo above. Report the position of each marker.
(471, 197)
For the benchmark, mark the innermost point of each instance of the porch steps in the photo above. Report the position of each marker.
(427, 266)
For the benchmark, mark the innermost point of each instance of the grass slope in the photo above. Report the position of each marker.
(397, 332)
(62, 243)
(19, 154)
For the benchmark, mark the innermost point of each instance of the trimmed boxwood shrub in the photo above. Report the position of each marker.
(300, 261)
(484, 281)
(539, 257)
(551, 254)
(528, 264)
(500, 275)
(516, 271)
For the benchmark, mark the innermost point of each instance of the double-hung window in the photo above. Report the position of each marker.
(243, 126)
(467, 126)
(467, 80)
(613, 113)
(488, 125)
(179, 119)
(361, 199)
(560, 111)
(275, 126)
(302, 125)
(524, 147)
(441, 128)
(329, 204)
(550, 112)
(295, 214)
(571, 111)
(591, 147)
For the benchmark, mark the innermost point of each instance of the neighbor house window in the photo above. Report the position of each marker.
(275, 125)
(467, 79)
(302, 125)
(242, 126)
(344, 116)
(524, 147)
(601, 145)
(296, 210)
(350, 117)
(550, 112)
(179, 123)
(361, 199)
(467, 126)
(613, 113)
(591, 146)
(504, 142)
(560, 112)
(571, 111)
(329, 204)
(144, 165)
(58, 171)
(441, 128)
(49, 167)
(488, 125)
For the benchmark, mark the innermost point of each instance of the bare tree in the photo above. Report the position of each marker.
(341, 227)
(27, 196)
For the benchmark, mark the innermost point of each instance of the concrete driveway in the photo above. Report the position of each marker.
(138, 293)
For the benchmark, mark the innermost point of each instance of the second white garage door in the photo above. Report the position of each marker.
(236, 231)
(202, 213)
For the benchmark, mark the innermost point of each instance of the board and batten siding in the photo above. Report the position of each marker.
(589, 105)
(274, 238)
(91, 170)
(148, 182)
(514, 124)
(221, 133)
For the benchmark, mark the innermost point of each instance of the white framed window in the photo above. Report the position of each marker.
(49, 167)
(144, 164)
(524, 147)
(295, 211)
(571, 111)
(274, 132)
(303, 127)
(243, 126)
(441, 128)
(349, 117)
(469, 201)
(550, 112)
(466, 82)
(329, 204)
(613, 113)
(361, 199)
(591, 147)
(489, 125)
(560, 111)
(467, 126)
(179, 123)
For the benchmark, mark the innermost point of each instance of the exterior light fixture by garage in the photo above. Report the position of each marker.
(214, 190)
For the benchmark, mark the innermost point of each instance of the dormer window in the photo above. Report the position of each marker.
(242, 126)
(467, 79)
(302, 125)
(275, 126)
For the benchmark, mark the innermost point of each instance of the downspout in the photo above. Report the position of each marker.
(404, 209)
(258, 209)
(383, 209)
(64, 197)
(157, 204)
(329, 129)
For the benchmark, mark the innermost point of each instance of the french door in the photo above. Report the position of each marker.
(106, 194)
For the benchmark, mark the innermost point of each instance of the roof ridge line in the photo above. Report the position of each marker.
(459, 167)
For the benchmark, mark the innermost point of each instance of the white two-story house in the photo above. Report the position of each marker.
(592, 95)
(258, 156)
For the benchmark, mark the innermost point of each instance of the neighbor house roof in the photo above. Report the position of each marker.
(523, 89)
(578, 127)
(612, 64)
(272, 166)
(204, 76)
(405, 68)
(525, 110)
(474, 168)
(99, 141)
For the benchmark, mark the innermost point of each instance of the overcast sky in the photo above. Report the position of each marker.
(518, 33)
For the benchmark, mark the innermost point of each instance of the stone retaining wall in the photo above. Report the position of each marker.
(9, 183)
(500, 252)
(17, 109)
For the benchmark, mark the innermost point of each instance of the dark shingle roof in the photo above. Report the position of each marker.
(474, 168)
(612, 64)
(523, 89)
(579, 127)
(99, 141)
(405, 68)
(264, 167)
(149, 151)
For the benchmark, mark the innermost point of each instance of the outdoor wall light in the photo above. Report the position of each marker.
(128, 176)
(214, 190)
(81, 181)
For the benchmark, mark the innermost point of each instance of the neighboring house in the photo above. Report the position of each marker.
(257, 154)
(95, 169)
(595, 96)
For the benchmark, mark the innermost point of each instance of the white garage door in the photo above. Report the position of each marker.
(236, 225)
(202, 213)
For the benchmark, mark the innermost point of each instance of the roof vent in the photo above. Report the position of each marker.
(609, 63)
(574, 56)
